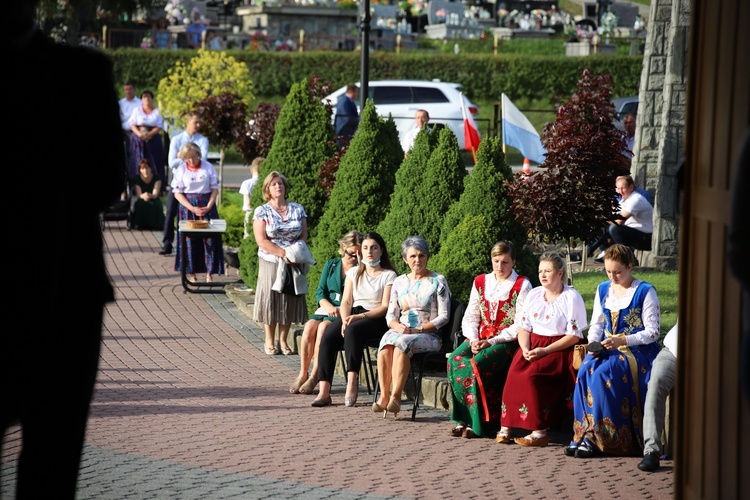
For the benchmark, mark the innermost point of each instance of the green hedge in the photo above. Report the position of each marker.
(483, 76)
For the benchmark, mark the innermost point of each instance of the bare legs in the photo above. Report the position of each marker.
(309, 346)
(393, 367)
(283, 333)
(311, 336)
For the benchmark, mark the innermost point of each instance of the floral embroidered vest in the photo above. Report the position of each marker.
(506, 310)
(630, 319)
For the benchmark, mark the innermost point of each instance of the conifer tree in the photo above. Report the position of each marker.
(465, 254)
(301, 142)
(442, 186)
(486, 193)
(364, 182)
(572, 197)
(400, 222)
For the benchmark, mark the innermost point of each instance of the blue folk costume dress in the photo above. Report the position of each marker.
(477, 380)
(607, 404)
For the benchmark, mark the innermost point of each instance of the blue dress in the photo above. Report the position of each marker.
(611, 388)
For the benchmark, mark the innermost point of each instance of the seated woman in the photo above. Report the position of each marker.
(611, 387)
(367, 289)
(540, 381)
(147, 209)
(478, 367)
(328, 295)
(419, 306)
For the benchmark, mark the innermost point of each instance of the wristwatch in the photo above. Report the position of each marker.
(420, 329)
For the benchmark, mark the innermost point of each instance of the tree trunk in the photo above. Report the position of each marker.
(221, 177)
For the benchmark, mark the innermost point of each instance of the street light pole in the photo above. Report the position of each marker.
(364, 71)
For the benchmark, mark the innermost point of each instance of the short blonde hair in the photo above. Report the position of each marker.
(189, 147)
(350, 239)
(255, 165)
(265, 188)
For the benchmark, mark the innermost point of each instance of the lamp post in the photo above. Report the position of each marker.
(364, 70)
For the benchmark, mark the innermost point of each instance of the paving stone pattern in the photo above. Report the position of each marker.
(187, 406)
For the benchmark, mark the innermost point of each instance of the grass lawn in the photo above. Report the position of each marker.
(666, 283)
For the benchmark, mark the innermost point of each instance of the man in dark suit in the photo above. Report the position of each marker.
(69, 165)
(347, 116)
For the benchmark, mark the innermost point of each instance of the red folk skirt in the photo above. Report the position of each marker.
(538, 393)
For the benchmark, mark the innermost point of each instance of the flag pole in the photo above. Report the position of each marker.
(502, 120)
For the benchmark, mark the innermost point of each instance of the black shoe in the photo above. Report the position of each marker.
(570, 451)
(166, 250)
(585, 450)
(650, 462)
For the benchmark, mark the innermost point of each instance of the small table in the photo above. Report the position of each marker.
(216, 227)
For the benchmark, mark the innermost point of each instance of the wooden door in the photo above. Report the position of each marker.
(712, 417)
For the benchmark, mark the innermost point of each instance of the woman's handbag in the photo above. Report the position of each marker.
(289, 283)
(579, 352)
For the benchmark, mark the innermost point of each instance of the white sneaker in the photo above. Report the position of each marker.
(600, 257)
(244, 288)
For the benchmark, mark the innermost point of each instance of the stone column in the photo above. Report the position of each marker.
(660, 125)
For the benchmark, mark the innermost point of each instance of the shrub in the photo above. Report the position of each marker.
(235, 218)
(257, 132)
(442, 186)
(210, 72)
(364, 182)
(465, 254)
(573, 196)
(485, 193)
(400, 221)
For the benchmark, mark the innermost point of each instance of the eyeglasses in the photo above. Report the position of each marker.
(350, 255)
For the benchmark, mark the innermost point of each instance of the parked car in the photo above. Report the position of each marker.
(402, 99)
(624, 106)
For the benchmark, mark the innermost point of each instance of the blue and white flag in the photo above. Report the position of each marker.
(520, 133)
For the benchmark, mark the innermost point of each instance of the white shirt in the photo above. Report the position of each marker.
(152, 119)
(495, 292)
(201, 181)
(566, 315)
(247, 188)
(126, 110)
(670, 341)
(408, 141)
(650, 315)
(641, 212)
(176, 143)
(368, 292)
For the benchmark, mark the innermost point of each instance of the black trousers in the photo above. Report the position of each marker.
(171, 214)
(47, 377)
(353, 343)
(630, 237)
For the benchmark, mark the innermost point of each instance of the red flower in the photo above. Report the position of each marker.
(468, 382)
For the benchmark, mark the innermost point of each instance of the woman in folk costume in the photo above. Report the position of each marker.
(538, 391)
(611, 385)
(478, 367)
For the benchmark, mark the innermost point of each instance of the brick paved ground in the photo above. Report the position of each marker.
(188, 406)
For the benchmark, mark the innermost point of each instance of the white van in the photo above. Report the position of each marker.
(403, 98)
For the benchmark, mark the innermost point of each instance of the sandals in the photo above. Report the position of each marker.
(294, 388)
(308, 386)
(503, 438)
(286, 350)
(532, 440)
(271, 350)
(458, 430)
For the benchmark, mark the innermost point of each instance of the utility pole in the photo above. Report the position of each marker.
(364, 71)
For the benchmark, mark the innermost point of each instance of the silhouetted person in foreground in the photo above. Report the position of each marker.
(58, 284)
